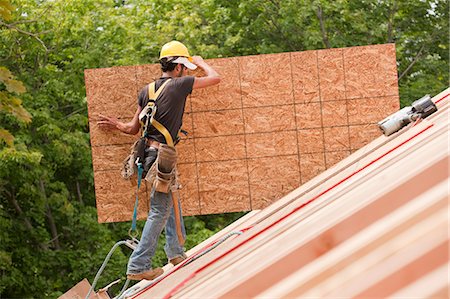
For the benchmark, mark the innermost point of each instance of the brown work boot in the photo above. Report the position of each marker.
(148, 275)
(176, 260)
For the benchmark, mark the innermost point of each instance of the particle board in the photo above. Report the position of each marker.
(190, 203)
(188, 124)
(371, 110)
(109, 157)
(111, 91)
(146, 73)
(311, 141)
(334, 157)
(272, 178)
(186, 150)
(269, 119)
(227, 189)
(101, 137)
(218, 123)
(362, 134)
(334, 113)
(271, 144)
(226, 95)
(115, 198)
(308, 115)
(260, 86)
(311, 164)
(309, 110)
(336, 139)
(331, 74)
(370, 71)
(305, 77)
(220, 148)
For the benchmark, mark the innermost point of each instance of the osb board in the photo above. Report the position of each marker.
(274, 122)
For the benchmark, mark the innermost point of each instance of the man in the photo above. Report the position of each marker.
(174, 59)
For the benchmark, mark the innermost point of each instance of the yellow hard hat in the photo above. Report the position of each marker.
(174, 48)
(177, 49)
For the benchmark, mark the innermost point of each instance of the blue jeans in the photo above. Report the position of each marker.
(161, 215)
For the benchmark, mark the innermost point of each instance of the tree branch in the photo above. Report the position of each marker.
(412, 62)
(34, 35)
(325, 40)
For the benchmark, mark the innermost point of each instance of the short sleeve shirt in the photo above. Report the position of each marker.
(170, 105)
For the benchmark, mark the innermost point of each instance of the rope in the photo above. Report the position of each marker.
(125, 286)
(194, 258)
(100, 271)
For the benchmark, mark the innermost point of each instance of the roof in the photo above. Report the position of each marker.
(375, 224)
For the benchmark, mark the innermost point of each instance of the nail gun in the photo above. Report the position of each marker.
(419, 109)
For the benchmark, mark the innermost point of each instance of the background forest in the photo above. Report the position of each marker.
(49, 235)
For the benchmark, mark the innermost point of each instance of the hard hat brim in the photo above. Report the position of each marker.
(185, 61)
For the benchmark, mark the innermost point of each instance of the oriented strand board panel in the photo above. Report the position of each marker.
(274, 122)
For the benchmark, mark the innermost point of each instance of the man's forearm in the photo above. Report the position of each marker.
(127, 128)
(209, 71)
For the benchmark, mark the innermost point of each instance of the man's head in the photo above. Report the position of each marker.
(174, 57)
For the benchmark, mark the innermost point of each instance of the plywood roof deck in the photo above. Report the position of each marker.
(375, 224)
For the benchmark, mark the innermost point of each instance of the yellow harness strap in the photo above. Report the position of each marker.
(153, 95)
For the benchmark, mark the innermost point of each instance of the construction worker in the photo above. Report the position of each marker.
(174, 60)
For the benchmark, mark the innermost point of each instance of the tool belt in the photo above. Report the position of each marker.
(163, 174)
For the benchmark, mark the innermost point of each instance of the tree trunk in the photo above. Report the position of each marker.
(12, 200)
(50, 219)
(392, 12)
(80, 196)
(325, 40)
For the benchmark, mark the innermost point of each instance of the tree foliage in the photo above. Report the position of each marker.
(50, 238)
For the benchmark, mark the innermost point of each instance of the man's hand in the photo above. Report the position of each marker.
(197, 60)
(108, 123)
(211, 78)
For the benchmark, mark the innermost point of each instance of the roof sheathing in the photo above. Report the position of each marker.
(340, 206)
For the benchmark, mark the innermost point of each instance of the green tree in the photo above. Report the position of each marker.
(9, 87)
(50, 238)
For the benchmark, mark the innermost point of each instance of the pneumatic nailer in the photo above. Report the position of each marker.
(419, 109)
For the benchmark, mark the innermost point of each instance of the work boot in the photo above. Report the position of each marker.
(148, 275)
(176, 260)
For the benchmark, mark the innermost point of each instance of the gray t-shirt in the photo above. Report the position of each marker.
(170, 105)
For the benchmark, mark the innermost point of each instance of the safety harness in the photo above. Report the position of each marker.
(147, 115)
(147, 119)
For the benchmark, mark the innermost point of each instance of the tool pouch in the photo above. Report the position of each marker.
(129, 167)
(165, 168)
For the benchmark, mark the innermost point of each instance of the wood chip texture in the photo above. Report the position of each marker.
(274, 122)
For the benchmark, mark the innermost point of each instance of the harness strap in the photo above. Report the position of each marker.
(153, 95)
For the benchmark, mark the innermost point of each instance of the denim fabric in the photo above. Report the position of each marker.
(161, 215)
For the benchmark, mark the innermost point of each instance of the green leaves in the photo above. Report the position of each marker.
(11, 85)
(5, 9)
(48, 44)
(11, 104)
